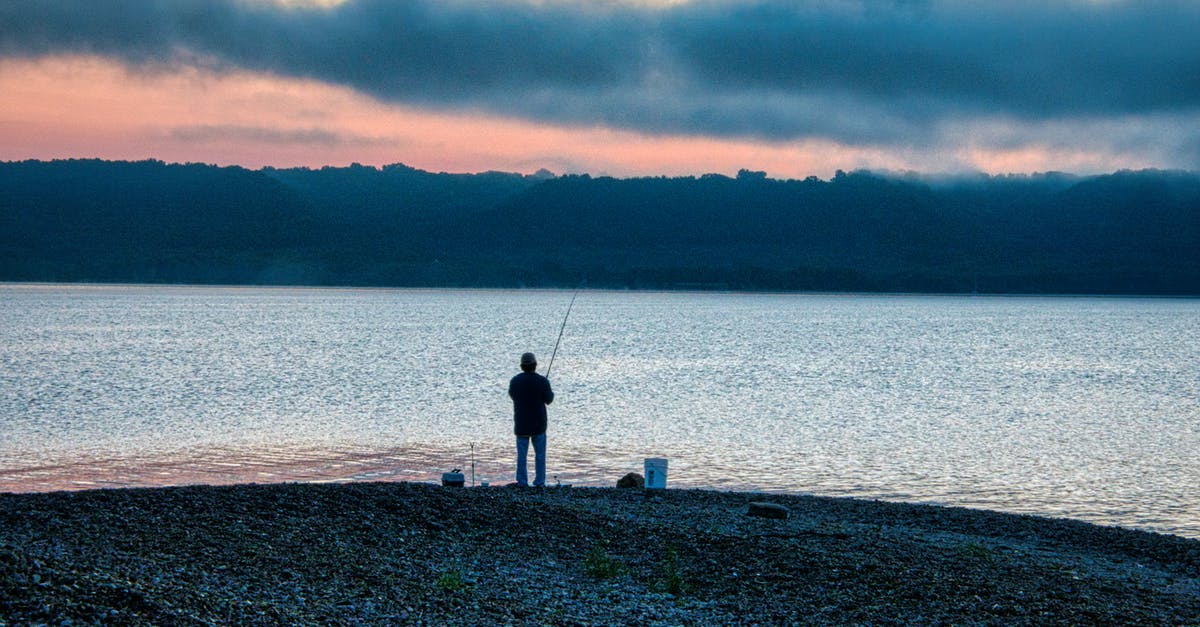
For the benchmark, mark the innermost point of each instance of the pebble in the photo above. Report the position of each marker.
(768, 510)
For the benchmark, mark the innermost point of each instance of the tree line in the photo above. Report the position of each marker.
(1129, 232)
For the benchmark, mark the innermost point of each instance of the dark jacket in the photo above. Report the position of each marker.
(530, 394)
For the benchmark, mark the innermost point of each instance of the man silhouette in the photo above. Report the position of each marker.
(530, 393)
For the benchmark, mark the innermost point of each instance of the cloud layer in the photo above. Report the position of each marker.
(855, 72)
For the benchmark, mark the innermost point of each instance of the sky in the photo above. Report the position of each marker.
(795, 88)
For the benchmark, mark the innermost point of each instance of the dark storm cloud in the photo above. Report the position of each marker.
(850, 71)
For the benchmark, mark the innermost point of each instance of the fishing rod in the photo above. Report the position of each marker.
(560, 332)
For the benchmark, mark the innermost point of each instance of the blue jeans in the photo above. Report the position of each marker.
(539, 464)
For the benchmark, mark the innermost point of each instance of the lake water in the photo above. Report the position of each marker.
(1080, 407)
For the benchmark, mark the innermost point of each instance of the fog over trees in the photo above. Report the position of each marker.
(101, 221)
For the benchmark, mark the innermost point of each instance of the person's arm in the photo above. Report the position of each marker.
(549, 393)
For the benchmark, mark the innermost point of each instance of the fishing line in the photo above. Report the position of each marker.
(560, 332)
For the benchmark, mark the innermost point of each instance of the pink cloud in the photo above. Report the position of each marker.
(87, 107)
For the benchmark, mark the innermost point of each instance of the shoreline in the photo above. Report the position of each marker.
(405, 553)
(606, 290)
(430, 479)
(326, 466)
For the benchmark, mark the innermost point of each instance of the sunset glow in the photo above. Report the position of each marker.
(204, 99)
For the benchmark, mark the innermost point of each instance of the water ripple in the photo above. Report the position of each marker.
(1079, 407)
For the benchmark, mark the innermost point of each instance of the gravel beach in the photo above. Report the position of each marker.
(420, 554)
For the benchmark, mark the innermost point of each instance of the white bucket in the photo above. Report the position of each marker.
(656, 472)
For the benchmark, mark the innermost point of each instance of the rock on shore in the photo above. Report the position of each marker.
(397, 553)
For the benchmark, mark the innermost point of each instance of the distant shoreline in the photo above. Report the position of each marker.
(402, 553)
(150, 222)
(607, 290)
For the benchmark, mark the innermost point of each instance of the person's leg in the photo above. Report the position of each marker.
(522, 455)
(539, 461)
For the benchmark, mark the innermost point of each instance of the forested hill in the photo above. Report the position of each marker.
(90, 220)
